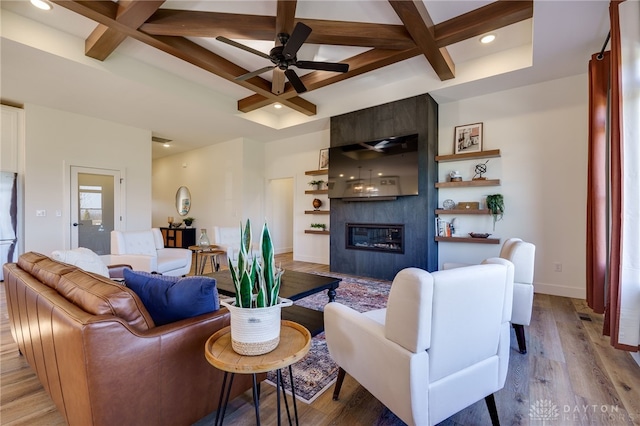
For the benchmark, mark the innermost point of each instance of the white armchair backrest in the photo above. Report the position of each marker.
(134, 242)
(522, 255)
(410, 301)
(227, 237)
(464, 299)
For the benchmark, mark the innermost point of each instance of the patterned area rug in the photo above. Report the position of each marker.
(317, 372)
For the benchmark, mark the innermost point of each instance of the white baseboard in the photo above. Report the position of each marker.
(636, 357)
(281, 250)
(312, 259)
(560, 290)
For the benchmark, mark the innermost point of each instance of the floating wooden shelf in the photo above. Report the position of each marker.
(468, 183)
(468, 240)
(463, 211)
(318, 211)
(310, 231)
(316, 191)
(316, 172)
(492, 153)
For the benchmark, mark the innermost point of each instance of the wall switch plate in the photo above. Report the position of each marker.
(557, 267)
(41, 213)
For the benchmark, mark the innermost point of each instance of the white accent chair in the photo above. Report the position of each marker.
(89, 261)
(441, 344)
(227, 238)
(145, 251)
(522, 255)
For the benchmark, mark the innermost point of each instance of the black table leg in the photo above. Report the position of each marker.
(256, 400)
(224, 395)
(332, 294)
(293, 394)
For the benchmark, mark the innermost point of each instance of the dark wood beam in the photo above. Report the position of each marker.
(416, 19)
(189, 23)
(132, 13)
(192, 23)
(285, 15)
(482, 20)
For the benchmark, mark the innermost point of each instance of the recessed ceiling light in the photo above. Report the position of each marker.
(41, 4)
(277, 105)
(166, 145)
(487, 39)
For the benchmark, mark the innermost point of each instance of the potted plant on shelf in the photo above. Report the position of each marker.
(189, 220)
(316, 184)
(255, 310)
(320, 226)
(495, 204)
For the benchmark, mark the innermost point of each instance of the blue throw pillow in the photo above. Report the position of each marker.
(170, 299)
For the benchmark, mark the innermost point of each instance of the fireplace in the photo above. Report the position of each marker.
(375, 236)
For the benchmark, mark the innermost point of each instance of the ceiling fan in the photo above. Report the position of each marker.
(284, 56)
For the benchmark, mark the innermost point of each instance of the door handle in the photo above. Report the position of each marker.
(77, 224)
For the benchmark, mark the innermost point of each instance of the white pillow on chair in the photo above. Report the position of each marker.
(83, 258)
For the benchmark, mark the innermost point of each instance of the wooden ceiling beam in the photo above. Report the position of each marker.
(485, 19)
(191, 23)
(132, 13)
(179, 47)
(285, 15)
(188, 23)
(416, 19)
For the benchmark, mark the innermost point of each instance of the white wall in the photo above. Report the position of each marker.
(214, 176)
(232, 181)
(57, 140)
(541, 131)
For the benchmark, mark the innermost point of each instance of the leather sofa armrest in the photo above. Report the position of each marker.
(116, 272)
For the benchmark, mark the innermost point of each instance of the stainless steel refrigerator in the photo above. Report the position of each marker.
(8, 219)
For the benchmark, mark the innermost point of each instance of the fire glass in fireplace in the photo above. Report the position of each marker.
(374, 236)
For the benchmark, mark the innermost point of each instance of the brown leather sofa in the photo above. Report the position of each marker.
(99, 355)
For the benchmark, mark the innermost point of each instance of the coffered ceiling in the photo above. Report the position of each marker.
(123, 51)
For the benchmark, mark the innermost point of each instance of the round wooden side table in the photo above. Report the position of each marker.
(295, 341)
(202, 255)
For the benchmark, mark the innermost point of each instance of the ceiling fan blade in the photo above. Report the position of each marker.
(322, 66)
(242, 46)
(254, 73)
(297, 39)
(295, 81)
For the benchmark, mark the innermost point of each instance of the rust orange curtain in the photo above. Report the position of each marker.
(605, 170)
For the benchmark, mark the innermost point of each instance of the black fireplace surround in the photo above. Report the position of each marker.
(377, 237)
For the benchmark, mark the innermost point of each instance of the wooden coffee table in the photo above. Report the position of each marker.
(295, 286)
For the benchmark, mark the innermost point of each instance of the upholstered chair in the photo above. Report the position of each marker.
(440, 345)
(522, 255)
(145, 251)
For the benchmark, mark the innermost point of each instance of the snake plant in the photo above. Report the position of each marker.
(256, 280)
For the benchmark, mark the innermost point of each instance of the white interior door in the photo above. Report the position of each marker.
(95, 207)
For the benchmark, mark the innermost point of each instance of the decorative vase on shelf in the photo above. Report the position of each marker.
(203, 241)
(316, 204)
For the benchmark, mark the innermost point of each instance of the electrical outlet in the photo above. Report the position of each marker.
(557, 267)
(41, 212)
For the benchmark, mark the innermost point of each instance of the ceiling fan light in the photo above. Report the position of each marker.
(277, 105)
(487, 38)
(41, 4)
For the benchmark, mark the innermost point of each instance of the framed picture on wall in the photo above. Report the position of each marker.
(324, 159)
(467, 138)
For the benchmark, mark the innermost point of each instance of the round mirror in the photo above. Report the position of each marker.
(183, 200)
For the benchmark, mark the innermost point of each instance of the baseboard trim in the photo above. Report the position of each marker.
(560, 290)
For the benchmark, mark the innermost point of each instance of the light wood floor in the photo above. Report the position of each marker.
(569, 365)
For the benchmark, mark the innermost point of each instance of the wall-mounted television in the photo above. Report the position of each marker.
(375, 170)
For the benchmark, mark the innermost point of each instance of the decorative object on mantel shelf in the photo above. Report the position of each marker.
(188, 221)
(320, 226)
(256, 309)
(449, 204)
(480, 170)
(316, 183)
(317, 204)
(495, 203)
(454, 176)
(467, 138)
